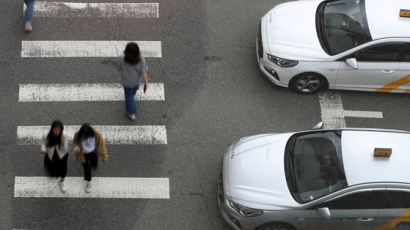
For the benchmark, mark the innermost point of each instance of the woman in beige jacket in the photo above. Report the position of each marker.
(89, 146)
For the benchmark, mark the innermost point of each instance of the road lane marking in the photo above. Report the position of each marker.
(59, 49)
(95, 10)
(364, 114)
(115, 135)
(85, 92)
(395, 84)
(332, 112)
(102, 187)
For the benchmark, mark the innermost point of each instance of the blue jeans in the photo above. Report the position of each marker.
(28, 17)
(130, 106)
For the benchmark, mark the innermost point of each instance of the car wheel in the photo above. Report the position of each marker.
(308, 83)
(276, 226)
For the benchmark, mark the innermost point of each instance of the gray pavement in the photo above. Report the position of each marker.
(215, 94)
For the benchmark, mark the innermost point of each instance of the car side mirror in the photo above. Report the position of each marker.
(318, 125)
(352, 62)
(324, 212)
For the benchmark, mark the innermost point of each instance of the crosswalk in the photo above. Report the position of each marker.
(85, 92)
(103, 187)
(96, 10)
(60, 49)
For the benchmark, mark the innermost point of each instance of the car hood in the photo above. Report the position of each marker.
(257, 175)
(291, 31)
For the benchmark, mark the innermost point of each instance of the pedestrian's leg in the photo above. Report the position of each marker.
(28, 17)
(130, 107)
(48, 166)
(62, 171)
(93, 160)
(87, 172)
(87, 169)
(63, 167)
(134, 108)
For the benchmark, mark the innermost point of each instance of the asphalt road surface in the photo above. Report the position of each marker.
(214, 94)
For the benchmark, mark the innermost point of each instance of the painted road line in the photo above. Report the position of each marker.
(102, 187)
(365, 114)
(332, 112)
(95, 10)
(85, 92)
(61, 49)
(114, 135)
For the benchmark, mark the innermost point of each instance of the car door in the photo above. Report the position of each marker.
(395, 211)
(375, 67)
(353, 211)
(401, 83)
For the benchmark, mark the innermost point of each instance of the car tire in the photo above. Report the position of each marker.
(276, 226)
(308, 83)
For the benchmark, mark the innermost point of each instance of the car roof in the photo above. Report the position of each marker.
(360, 164)
(383, 17)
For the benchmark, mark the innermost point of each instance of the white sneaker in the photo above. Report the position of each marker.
(132, 117)
(28, 27)
(63, 187)
(88, 187)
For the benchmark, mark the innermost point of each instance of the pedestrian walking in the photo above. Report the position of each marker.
(89, 147)
(28, 15)
(132, 66)
(55, 148)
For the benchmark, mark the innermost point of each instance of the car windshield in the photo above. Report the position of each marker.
(342, 25)
(314, 166)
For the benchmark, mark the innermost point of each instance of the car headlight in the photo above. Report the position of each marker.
(245, 211)
(285, 63)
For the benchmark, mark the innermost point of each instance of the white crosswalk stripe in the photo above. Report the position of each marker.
(114, 135)
(60, 49)
(85, 92)
(102, 187)
(95, 10)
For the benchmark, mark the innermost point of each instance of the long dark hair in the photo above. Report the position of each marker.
(85, 132)
(132, 53)
(53, 140)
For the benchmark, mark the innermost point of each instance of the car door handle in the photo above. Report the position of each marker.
(364, 219)
(388, 71)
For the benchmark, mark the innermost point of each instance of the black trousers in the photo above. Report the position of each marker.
(90, 163)
(56, 167)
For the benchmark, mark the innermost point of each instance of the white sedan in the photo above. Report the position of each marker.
(317, 179)
(363, 45)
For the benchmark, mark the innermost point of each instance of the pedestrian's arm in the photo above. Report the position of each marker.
(43, 148)
(103, 149)
(145, 77)
(76, 147)
(64, 143)
(119, 67)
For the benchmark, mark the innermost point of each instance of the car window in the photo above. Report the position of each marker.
(313, 163)
(406, 53)
(397, 199)
(379, 53)
(342, 25)
(361, 200)
(371, 200)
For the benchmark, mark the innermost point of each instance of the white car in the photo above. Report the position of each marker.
(338, 44)
(317, 179)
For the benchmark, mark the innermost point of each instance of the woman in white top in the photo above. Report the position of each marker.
(55, 148)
